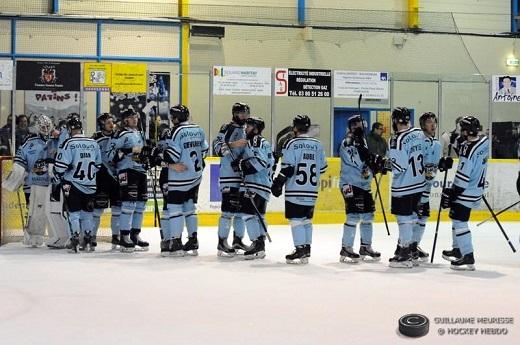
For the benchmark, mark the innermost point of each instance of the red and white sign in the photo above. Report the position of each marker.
(281, 82)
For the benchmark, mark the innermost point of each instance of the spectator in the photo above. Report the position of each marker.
(450, 137)
(22, 129)
(5, 137)
(376, 143)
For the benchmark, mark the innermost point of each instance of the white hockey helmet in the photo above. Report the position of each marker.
(44, 125)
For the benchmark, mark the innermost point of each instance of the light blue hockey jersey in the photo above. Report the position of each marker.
(471, 171)
(187, 145)
(103, 142)
(125, 140)
(307, 158)
(259, 156)
(354, 171)
(32, 156)
(228, 133)
(407, 153)
(77, 162)
(431, 161)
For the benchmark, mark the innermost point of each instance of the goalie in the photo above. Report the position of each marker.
(31, 164)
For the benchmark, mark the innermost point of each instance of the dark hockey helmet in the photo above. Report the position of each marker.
(354, 119)
(102, 118)
(179, 112)
(302, 123)
(74, 122)
(256, 122)
(239, 108)
(425, 117)
(471, 125)
(127, 113)
(400, 115)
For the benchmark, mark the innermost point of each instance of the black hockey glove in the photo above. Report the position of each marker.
(446, 198)
(518, 183)
(235, 165)
(277, 186)
(445, 164)
(453, 136)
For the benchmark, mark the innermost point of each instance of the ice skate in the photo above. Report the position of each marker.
(403, 260)
(466, 263)
(451, 255)
(366, 251)
(224, 250)
(348, 256)
(191, 247)
(73, 244)
(140, 245)
(238, 245)
(176, 249)
(115, 242)
(126, 245)
(297, 256)
(165, 248)
(257, 249)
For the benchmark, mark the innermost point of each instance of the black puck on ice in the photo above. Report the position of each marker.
(414, 325)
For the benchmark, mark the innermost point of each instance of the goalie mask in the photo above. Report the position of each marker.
(44, 125)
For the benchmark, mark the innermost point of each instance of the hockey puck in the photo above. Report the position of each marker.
(414, 325)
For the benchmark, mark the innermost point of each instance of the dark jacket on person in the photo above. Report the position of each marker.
(377, 144)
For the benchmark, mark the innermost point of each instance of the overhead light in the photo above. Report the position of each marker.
(512, 62)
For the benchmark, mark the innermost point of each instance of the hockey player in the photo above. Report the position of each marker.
(31, 158)
(355, 180)
(158, 160)
(428, 122)
(407, 153)
(77, 163)
(466, 192)
(303, 163)
(255, 166)
(107, 186)
(228, 145)
(185, 153)
(128, 152)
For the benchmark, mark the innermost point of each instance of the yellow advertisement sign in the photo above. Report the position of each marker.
(129, 78)
(97, 76)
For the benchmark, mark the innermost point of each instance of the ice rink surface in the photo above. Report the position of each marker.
(52, 297)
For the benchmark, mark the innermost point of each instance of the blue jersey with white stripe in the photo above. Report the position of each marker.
(431, 160)
(103, 141)
(126, 139)
(32, 156)
(187, 145)
(354, 171)
(259, 155)
(305, 155)
(407, 153)
(229, 133)
(77, 162)
(471, 171)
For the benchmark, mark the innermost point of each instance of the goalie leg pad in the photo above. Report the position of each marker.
(37, 220)
(58, 224)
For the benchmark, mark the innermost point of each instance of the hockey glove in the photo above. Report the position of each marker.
(518, 183)
(453, 137)
(445, 164)
(277, 186)
(235, 165)
(446, 198)
(224, 150)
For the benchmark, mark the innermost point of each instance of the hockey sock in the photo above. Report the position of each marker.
(463, 235)
(127, 210)
(114, 220)
(176, 222)
(418, 229)
(224, 224)
(366, 228)
(239, 226)
(349, 229)
(96, 218)
(137, 218)
(405, 224)
(298, 231)
(252, 226)
(308, 232)
(87, 222)
(74, 219)
(190, 217)
(454, 238)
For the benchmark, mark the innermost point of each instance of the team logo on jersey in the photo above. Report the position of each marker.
(123, 179)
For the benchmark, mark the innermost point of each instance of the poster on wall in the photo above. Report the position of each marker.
(350, 84)
(56, 105)
(297, 82)
(241, 81)
(504, 88)
(97, 76)
(6, 75)
(158, 98)
(48, 76)
(120, 102)
(129, 78)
